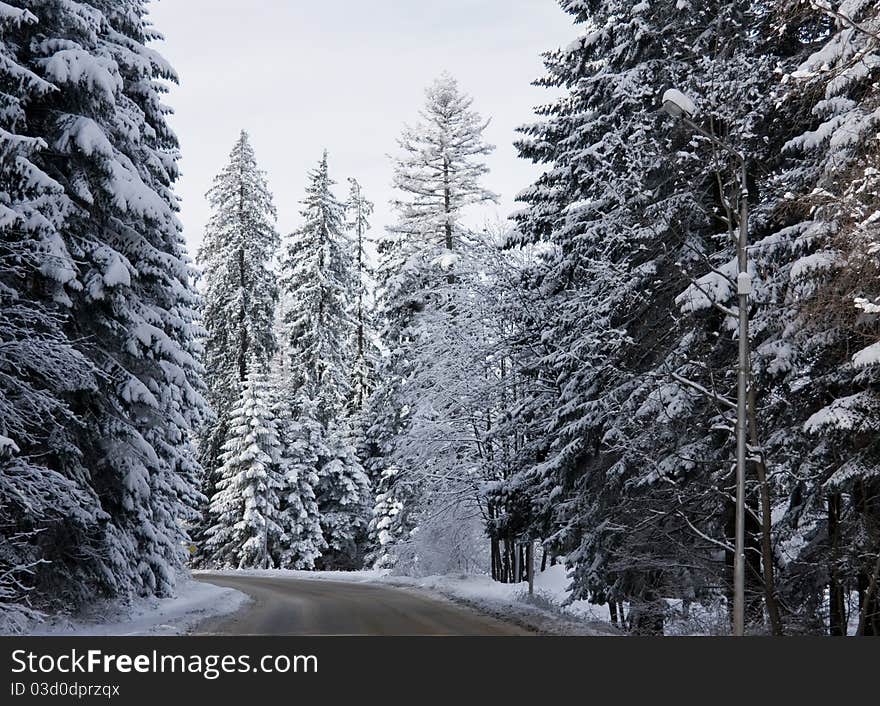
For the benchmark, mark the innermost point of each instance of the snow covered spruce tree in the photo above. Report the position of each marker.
(817, 324)
(302, 542)
(246, 529)
(358, 212)
(629, 221)
(318, 338)
(438, 177)
(366, 345)
(316, 279)
(240, 289)
(103, 284)
(636, 333)
(42, 480)
(811, 384)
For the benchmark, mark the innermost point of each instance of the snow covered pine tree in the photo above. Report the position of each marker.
(246, 530)
(629, 222)
(302, 543)
(358, 211)
(318, 337)
(42, 481)
(638, 273)
(437, 176)
(819, 315)
(95, 189)
(240, 290)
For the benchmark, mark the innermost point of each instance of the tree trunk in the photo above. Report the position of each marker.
(530, 566)
(612, 608)
(756, 597)
(517, 563)
(767, 559)
(866, 497)
(506, 562)
(242, 328)
(869, 603)
(447, 198)
(837, 595)
(729, 533)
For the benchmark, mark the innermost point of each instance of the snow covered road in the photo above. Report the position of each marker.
(290, 606)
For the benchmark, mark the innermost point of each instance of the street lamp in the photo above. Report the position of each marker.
(681, 107)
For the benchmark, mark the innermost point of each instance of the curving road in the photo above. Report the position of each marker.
(284, 606)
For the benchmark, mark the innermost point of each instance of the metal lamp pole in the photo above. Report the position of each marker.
(682, 109)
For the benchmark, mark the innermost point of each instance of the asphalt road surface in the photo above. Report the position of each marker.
(293, 607)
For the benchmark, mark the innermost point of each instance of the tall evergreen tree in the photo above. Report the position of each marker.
(344, 496)
(80, 78)
(817, 328)
(440, 167)
(240, 289)
(631, 221)
(316, 276)
(438, 176)
(358, 211)
(628, 353)
(42, 479)
(319, 337)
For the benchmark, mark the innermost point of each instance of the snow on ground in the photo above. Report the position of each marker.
(544, 612)
(147, 616)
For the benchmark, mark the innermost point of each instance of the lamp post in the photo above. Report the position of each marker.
(679, 106)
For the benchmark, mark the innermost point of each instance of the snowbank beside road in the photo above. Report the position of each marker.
(543, 612)
(147, 616)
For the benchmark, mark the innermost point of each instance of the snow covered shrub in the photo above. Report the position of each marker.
(450, 539)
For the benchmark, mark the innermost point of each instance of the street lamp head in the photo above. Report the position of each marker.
(678, 105)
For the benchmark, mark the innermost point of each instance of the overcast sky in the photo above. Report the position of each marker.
(301, 75)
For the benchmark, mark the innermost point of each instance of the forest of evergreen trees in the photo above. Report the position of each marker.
(433, 396)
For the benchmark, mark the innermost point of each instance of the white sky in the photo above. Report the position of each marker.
(301, 75)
